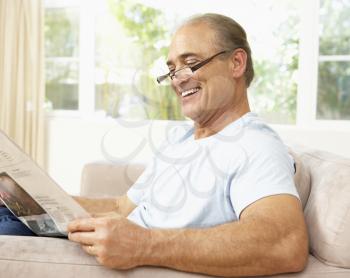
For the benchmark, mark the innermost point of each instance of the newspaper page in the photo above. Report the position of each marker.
(31, 195)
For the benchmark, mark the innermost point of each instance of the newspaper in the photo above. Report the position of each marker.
(30, 194)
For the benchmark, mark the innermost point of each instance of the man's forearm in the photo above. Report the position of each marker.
(234, 249)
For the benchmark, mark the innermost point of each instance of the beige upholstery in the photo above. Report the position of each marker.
(302, 178)
(327, 212)
(100, 179)
(51, 257)
(27, 257)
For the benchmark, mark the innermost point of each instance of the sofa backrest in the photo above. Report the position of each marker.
(327, 210)
(106, 179)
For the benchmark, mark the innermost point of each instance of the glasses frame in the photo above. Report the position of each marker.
(171, 75)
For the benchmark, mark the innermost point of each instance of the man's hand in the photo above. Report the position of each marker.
(113, 240)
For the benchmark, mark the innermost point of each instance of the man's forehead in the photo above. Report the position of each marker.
(191, 40)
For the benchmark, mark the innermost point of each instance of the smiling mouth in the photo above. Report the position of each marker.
(190, 92)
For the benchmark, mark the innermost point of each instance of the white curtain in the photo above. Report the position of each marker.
(22, 85)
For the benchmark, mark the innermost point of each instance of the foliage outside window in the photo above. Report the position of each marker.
(333, 100)
(141, 96)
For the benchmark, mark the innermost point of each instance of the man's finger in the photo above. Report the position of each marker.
(90, 249)
(85, 238)
(82, 225)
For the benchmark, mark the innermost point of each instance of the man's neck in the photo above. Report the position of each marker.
(219, 121)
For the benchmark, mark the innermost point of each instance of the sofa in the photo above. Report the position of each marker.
(323, 183)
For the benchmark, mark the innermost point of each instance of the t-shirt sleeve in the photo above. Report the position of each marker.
(138, 189)
(267, 170)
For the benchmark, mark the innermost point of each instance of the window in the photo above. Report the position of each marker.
(333, 98)
(103, 56)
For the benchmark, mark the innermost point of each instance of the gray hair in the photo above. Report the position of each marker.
(230, 35)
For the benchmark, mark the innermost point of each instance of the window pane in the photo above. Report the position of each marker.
(62, 52)
(126, 35)
(333, 100)
(116, 64)
(62, 32)
(335, 27)
(62, 84)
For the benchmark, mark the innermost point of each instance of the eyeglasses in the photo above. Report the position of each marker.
(186, 72)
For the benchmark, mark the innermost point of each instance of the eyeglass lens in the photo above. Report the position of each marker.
(182, 74)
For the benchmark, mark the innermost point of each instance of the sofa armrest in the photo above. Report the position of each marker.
(102, 179)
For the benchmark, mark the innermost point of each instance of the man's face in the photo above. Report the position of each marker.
(213, 83)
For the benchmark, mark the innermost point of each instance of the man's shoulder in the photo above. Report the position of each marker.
(260, 138)
(251, 134)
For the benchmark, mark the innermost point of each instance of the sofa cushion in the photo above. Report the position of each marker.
(327, 211)
(301, 178)
(41, 257)
(53, 257)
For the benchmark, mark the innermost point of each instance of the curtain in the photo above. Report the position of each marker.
(22, 85)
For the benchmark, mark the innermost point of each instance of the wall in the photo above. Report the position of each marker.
(73, 142)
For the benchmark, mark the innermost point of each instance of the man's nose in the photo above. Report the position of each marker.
(179, 80)
(178, 84)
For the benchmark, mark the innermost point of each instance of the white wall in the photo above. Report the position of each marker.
(335, 140)
(73, 142)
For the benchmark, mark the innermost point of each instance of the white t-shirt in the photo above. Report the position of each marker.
(209, 181)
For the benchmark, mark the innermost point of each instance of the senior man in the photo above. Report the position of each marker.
(218, 199)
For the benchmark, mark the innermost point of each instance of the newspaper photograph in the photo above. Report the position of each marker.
(31, 195)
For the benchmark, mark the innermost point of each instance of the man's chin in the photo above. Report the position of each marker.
(190, 115)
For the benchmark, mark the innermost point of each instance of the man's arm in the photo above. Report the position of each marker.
(269, 238)
(121, 204)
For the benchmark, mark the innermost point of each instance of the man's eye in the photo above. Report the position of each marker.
(191, 63)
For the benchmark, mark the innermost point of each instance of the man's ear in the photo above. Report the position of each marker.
(239, 62)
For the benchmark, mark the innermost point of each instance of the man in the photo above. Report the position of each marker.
(220, 198)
